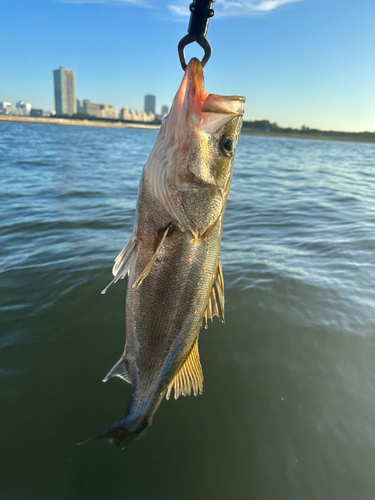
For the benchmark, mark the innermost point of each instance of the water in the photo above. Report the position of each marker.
(288, 410)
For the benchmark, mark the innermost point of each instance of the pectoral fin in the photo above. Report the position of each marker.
(215, 304)
(147, 269)
(124, 261)
(189, 377)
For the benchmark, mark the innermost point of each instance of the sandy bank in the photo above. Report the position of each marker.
(67, 121)
(346, 137)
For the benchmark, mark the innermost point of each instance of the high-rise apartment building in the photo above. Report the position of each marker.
(65, 91)
(164, 110)
(150, 104)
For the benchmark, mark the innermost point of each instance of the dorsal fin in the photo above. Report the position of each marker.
(119, 370)
(123, 261)
(215, 304)
(189, 377)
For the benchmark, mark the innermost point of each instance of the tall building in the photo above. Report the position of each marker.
(65, 91)
(164, 110)
(150, 104)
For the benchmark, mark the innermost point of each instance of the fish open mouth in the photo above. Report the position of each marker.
(207, 112)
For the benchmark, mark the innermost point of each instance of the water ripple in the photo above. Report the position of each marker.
(291, 374)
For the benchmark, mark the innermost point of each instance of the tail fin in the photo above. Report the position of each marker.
(118, 434)
(132, 425)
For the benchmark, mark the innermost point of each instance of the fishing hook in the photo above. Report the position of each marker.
(201, 12)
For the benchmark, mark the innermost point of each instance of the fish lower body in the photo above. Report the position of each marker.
(164, 315)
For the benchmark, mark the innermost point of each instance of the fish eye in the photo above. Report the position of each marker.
(228, 146)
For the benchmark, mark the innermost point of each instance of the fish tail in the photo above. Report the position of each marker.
(119, 434)
(131, 426)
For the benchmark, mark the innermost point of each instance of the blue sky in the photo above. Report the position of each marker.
(298, 62)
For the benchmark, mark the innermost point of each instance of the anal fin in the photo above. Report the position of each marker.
(189, 377)
(119, 370)
(215, 304)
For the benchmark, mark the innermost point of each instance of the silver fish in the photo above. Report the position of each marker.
(173, 255)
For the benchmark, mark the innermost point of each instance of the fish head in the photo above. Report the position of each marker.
(195, 150)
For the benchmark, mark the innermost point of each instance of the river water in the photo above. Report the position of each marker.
(288, 410)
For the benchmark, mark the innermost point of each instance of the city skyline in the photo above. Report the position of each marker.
(298, 63)
(64, 96)
(86, 107)
(67, 103)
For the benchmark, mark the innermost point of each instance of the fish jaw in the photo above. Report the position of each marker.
(188, 170)
(188, 100)
(193, 108)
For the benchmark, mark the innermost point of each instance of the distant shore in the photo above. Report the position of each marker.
(315, 135)
(85, 123)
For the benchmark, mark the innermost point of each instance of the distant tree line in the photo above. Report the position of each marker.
(266, 127)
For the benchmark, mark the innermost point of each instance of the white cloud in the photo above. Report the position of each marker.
(226, 8)
(180, 8)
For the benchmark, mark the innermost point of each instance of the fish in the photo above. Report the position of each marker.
(172, 259)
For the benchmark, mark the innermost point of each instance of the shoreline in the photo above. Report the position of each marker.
(83, 122)
(119, 124)
(313, 137)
